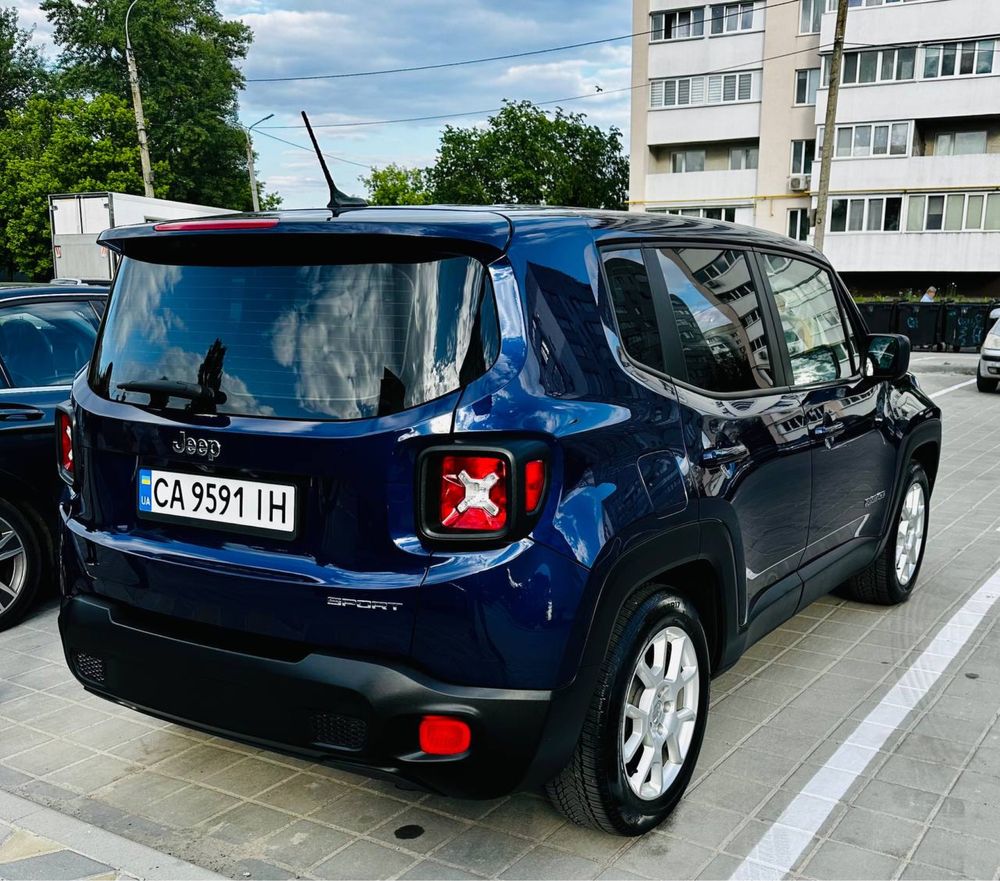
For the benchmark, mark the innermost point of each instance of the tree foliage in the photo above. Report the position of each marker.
(187, 56)
(22, 69)
(523, 155)
(59, 146)
(395, 185)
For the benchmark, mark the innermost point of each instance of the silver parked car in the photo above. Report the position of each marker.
(988, 375)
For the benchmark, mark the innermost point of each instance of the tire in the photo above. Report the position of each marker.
(21, 575)
(594, 789)
(984, 384)
(882, 583)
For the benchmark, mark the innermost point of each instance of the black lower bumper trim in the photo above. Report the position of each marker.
(351, 713)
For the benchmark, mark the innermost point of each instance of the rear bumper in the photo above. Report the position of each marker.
(351, 713)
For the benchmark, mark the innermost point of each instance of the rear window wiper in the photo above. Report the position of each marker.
(160, 391)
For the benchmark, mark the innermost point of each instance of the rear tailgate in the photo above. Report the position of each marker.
(319, 381)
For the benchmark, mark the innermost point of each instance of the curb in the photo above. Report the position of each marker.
(96, 843)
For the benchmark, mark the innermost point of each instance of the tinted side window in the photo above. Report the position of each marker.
(810, 319)
(45, 344)
(633, 302)
(718, 317)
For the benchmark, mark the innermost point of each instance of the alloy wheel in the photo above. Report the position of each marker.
(660, 712)
(910, 534)
(13, 565)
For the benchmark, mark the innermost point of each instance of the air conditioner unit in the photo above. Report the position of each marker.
(799, 183)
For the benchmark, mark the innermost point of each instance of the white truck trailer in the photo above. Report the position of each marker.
(78, 218)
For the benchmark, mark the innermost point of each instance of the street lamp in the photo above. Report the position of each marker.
(140, 120)
(250, 168)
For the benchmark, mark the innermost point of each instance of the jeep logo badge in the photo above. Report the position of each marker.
(191, 446)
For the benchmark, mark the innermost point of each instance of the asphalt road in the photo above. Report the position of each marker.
(854, 742)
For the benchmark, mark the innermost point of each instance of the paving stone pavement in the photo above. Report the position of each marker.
(928, 806)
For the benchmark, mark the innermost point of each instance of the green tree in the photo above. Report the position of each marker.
(22, 68)
(187, 56)
(60, 146)
(396, 185)
(525, 155)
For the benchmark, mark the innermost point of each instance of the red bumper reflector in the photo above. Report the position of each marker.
(444, 736)
(199, 225)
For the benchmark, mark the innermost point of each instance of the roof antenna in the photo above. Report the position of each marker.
(338, 201)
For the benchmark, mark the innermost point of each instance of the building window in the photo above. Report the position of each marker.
(974, 58)
(742, 158)
(723, 213)
(798, 223)
(810, 16)
(806, 84)
(803, 153)
(688, 160)
(727, 88)
(876, 214)
(730, 88)
(874, 66)
(678, 25)
(728, 18)
(869, 140)
(960, 143)
(831, 5)
(953, 212)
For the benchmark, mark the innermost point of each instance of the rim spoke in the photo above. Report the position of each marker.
(5, 537)
(632, 745)
(676, 659)
(646, 675)
(685, 714)
(673, 747)
(5, 588)
(656, 776)
(10, 554)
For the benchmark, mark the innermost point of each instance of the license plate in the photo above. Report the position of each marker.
(221, 501)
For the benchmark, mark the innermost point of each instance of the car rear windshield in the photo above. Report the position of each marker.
(323, 342)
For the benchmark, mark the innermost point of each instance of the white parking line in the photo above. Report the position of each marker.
(952, 388)
(777, 851)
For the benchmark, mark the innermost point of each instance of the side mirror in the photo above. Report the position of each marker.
(888, 356)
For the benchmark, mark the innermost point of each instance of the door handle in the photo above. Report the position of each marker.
(20, 414)
(828, 430)
(724, 455)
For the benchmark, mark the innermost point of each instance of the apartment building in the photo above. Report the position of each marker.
(727, 122)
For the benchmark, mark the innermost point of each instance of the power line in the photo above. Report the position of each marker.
(547, 103)
(310, 150)
(446, 64)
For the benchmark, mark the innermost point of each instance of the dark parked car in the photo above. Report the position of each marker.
(46, 335)
(476, 498)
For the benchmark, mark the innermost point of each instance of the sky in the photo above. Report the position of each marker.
(309, 37)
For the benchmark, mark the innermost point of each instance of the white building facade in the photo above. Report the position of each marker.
(728, 106)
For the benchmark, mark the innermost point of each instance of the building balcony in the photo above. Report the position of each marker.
(725, 52)
(931, 252)
(897, 23)
(703, 124)
(948, 97)
(695, 187)
(903, 174)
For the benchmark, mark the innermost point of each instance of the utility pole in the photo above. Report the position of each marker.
(140, 120)
(253, 174)
(830, 128)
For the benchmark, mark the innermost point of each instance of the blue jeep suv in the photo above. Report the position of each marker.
(476, 499)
